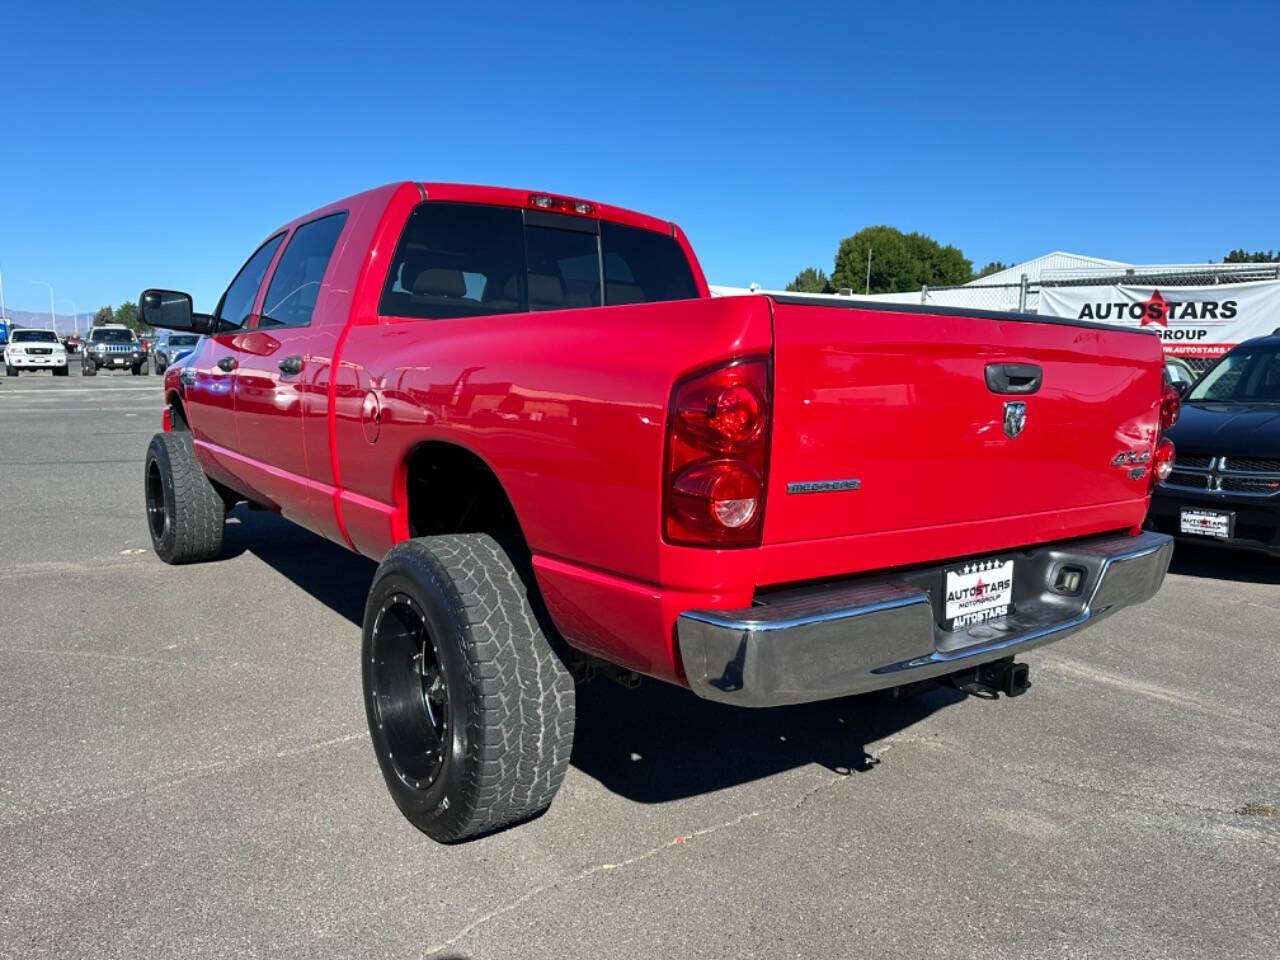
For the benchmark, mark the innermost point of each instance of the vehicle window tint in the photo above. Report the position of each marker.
(1226, 381)
(295, 286)
(236, 303)
(641, 266)
(457, 260)
(564, 268)
(112, 336)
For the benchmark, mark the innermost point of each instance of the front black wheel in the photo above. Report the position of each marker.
(185, 514)
(470, 710)
(61, 371)
(10, 371)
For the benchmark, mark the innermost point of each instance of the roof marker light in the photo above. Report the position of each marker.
(544, 201)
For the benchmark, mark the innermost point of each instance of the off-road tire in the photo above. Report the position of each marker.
(144, 369)
(189, 529)
(509, 712)
(89, 370)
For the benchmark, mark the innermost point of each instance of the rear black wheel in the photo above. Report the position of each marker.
(61, 371)
(470, 710)
(185, 514)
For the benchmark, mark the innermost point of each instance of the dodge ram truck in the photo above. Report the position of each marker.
(569, 459)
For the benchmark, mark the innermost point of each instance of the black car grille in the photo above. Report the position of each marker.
(1197, 481)
(40, 351)
(1250, 464)
(1251, 484)
(1250, 476)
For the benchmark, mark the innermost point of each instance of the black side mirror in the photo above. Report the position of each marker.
(1183, 387)
(171, 310)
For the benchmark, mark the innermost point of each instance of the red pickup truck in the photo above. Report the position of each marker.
(569, 458)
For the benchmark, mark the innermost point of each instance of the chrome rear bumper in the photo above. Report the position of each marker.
(818, 643)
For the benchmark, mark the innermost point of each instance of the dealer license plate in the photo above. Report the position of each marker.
(978, 592)
(1208, 523)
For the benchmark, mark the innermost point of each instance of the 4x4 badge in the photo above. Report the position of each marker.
(1015, 417)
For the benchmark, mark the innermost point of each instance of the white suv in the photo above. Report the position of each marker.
(35, 350)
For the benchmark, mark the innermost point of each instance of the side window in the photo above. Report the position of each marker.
(295, 286)
(641, 266)
(564, 268)
(236, 303)
(457, 260)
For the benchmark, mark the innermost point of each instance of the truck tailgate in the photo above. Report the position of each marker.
(899, 401)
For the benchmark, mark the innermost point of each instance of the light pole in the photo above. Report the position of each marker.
(4, 314)
(53, 319)
(75, 315)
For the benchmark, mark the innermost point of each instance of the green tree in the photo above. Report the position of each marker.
(127, 313)
(1260, 256)
(995, 266)
(900, 262)
(104, 315)
(810, 280)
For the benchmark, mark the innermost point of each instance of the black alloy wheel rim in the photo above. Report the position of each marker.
(410, 694)
(156, 515)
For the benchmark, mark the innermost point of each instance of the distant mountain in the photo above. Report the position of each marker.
(66, 322)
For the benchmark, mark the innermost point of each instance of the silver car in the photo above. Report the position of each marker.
(169, 347)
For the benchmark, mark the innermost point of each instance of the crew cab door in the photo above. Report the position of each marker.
(208, 393)
(275, 367)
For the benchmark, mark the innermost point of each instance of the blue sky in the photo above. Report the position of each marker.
(156, 145)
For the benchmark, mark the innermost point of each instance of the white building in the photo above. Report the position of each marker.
(1018, 287)
(1003, 290)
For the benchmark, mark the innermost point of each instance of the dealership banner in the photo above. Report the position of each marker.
(1202, 321)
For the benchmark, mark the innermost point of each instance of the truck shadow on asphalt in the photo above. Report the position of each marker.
(650, 744)
(1219, 563)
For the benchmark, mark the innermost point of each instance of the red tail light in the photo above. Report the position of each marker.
(1162, 462)
(717, 456)
(1162, 459)
(1170, 406)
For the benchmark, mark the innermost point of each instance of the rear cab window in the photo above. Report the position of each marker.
(463, 259)
(295, 285)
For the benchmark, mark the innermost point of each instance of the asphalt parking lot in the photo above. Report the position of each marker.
(184, 769)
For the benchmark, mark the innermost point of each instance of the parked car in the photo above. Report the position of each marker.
(1225, 486)
(34, 350)
(73, 342)
(569, 458)
(1179, 373)
(115, 347)
(168, 347)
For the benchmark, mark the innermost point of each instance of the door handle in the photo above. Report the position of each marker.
(1014, 377)
(227, 364)
(291, 366)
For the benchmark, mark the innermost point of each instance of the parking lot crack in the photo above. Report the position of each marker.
(587, 873)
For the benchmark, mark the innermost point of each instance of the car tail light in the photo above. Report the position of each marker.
(1170, 406)
(545, 201)
(717, 456)
(1162, 462)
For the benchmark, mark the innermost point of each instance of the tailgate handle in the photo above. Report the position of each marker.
(1013, 377)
